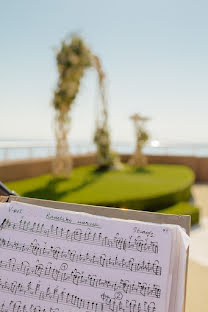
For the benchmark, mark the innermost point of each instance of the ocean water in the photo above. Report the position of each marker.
(25, 149)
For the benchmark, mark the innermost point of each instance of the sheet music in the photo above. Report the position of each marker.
(58, 261)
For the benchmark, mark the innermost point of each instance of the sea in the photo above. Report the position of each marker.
(14, 149)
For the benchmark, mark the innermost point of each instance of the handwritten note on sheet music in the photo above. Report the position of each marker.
(57, 261)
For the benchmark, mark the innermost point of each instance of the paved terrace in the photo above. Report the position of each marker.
(197, 288)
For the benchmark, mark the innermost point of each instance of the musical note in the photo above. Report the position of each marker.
(102, 260)
(63, 297)
(86, 237)
(76, 277)
(19, 306)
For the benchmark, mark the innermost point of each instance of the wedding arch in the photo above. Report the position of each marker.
(73, 58)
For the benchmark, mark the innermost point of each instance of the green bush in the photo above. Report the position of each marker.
(184, 208)
(150, 204)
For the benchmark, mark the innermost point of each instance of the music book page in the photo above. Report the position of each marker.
(57, 261)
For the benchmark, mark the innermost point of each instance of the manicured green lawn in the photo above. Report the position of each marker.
(153, 188)
(164, 188)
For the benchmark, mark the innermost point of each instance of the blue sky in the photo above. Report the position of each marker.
(154, 52)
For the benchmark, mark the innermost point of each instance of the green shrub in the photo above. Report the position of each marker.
(152, 203)
(184, 208)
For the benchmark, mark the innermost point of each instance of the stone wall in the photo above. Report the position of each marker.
(22, 169)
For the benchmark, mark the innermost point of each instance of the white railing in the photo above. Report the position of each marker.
(8, 152)
(27, 151)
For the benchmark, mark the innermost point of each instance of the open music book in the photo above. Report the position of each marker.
(81, 259)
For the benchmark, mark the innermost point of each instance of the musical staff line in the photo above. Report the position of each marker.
(79, 278)
(72, 256)
(85, 237)
(19, 306)
(63, 297)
